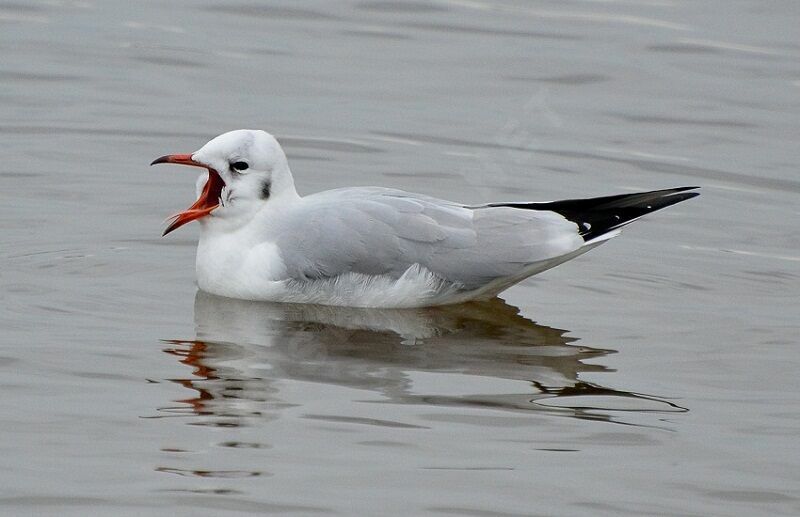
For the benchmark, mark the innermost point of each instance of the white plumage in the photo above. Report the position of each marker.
(370, 246)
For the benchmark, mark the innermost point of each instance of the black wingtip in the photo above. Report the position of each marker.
(600, 215)
(615, 212)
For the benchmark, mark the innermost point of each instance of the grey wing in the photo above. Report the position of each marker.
(384, 232)
(508, 243)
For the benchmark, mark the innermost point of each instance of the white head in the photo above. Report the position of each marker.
(246, 169)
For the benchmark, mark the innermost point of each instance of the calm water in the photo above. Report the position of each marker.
(655, 375)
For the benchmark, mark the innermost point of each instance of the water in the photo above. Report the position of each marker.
(655, 375)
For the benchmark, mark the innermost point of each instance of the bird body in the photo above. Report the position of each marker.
(371, 246)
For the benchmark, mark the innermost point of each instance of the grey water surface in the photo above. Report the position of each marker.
(656, 375)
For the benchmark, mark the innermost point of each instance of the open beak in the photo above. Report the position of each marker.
(209, 197)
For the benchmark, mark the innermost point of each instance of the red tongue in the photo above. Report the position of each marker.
(205, 204)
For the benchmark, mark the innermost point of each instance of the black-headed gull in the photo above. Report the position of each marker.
(372, 246)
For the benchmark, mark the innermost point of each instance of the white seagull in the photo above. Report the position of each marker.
(373, 246)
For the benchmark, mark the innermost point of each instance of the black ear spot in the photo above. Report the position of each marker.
(265, 190)
(240, 166)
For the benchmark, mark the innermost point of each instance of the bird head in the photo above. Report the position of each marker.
(245, 168)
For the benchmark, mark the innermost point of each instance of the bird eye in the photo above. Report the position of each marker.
(240, 166)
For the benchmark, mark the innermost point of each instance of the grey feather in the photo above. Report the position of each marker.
(378, 231)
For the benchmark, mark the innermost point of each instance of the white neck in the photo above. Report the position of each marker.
(283, 183)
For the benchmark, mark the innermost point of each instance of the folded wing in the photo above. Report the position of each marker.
(377, 231)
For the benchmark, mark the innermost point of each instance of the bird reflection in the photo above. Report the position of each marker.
(244, 350)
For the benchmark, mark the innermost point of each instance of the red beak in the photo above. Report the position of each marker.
(209, 197)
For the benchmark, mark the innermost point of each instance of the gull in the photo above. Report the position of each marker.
(373, 246)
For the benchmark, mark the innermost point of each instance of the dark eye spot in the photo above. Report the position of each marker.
(240, 166)
(265, 190)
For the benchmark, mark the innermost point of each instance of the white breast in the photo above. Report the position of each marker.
(225, 269)
(232, 265)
